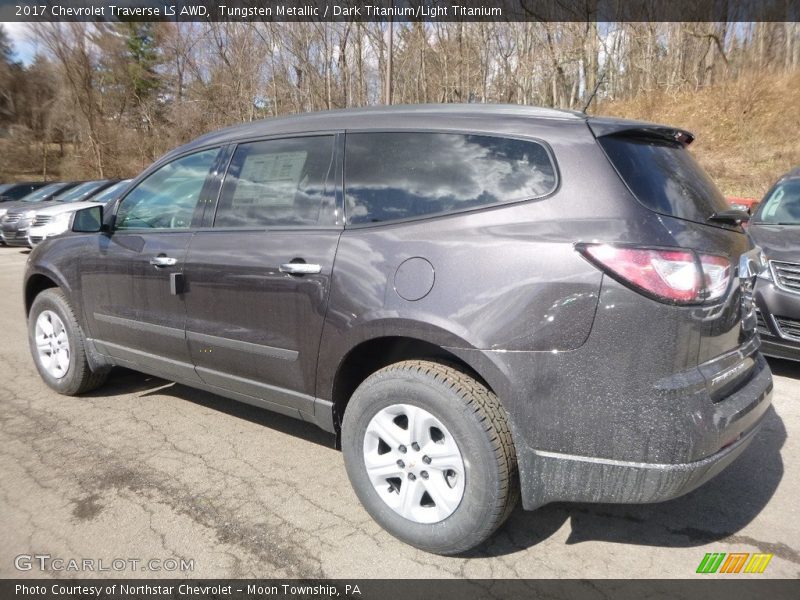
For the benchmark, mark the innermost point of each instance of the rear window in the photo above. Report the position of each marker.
(392, 176)
(665, 177)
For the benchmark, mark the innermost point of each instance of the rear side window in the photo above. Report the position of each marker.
(665, 177)
(391, 176)
(278, 182)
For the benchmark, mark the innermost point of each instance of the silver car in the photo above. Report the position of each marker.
(18, 221)
(56, 218)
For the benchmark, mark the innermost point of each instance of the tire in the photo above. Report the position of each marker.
(441, 406)
(70, 376)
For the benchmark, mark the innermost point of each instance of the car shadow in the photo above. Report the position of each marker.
(716, 511)
(784, 368)
(124, 381)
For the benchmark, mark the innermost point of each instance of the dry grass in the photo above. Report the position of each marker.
(748, 130)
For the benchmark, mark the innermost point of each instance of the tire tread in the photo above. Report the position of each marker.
(87, 380)
(490, 413)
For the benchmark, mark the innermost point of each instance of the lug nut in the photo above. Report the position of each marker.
(415, 446)
(412, 477)
(401, 464)
(402, 449)
(424, 474)
(426, 459)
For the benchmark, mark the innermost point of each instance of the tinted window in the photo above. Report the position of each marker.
(81, 191)
(17, 191)
(168, 197)
(46, 192)
(111, 193)
(278, 182)
(402, 175)
(665, 177)
(782, 206)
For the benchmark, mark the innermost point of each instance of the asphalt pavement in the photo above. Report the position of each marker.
(163, 477)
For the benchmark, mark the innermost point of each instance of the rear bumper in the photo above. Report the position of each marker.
(551, 476)
(582, 479)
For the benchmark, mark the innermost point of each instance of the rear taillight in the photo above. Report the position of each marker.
(676, 276)
(716, 276)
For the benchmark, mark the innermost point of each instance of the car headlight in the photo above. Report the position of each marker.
(3, 212)
(60, 223)
(766, 272)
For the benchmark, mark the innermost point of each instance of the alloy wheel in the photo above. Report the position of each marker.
(414, 463)
(52, 344)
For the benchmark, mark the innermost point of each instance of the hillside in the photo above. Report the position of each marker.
(748, 130)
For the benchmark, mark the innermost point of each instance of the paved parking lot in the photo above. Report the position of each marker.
(145, 469)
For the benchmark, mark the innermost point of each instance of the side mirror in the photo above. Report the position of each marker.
(88, 220)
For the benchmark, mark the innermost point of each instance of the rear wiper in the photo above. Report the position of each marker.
(735, 217)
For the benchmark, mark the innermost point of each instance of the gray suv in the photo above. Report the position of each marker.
(480, 302)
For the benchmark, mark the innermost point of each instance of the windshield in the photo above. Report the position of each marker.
(80, 192)
(111, 193)
(782, 206)
(43, 193)
(5, 186)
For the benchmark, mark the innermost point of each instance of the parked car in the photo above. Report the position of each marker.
(17, 222)
(481, 302)
(776, 229)
(9, 192)
(748, 205)
(56, 219)
(24, 208)
(41, 194)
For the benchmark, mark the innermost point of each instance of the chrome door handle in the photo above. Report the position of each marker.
(163, 261)
(300, 268)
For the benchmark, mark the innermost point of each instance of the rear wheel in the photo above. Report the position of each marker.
(57, 345)
(429, 453)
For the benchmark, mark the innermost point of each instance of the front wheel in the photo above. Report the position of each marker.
(57, 346)
(429, 453)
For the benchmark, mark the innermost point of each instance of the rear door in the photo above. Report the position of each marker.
(131, 281)
(259, 272)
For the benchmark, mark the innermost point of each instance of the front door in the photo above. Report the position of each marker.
(131, 282)
(258, 275)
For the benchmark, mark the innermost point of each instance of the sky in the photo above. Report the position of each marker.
(24, 48)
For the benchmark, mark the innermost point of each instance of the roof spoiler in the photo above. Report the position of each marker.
(602, 126)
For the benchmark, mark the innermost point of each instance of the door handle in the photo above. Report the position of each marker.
(163, 261)
(299, 268)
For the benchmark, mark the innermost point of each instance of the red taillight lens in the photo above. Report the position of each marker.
(675, 276)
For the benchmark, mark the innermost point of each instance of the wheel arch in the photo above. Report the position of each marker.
(370, 355)
(35, 284)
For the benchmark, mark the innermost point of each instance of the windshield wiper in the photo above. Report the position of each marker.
(735, 217)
